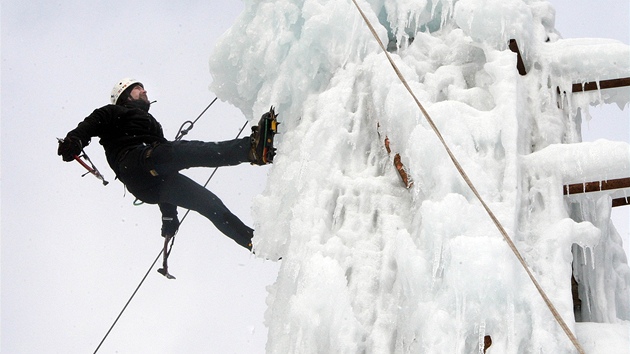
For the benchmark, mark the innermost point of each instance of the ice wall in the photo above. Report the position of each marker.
(371, 266)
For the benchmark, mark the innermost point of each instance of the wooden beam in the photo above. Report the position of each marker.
(520, 65)
(603, 84)
(620, 202)
(596, 186)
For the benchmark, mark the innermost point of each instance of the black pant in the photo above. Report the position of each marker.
(152, 175)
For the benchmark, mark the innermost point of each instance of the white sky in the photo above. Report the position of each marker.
(73, 251)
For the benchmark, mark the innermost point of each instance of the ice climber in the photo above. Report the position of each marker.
(149, 165)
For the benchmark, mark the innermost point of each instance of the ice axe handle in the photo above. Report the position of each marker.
(91, 170)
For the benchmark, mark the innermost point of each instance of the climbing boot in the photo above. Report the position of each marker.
(262, 150)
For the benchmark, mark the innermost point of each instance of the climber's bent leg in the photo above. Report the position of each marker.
(180, 190)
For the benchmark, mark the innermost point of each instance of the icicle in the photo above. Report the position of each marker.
(599, 93)
(485, 341)
(433, 7)
(482, 332)
(585, 258)
(446, 12)
(437, 263)
(511, 317)
(587, 295)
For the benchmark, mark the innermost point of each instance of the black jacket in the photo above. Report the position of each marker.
(120, 129)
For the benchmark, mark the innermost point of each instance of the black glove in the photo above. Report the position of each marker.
(69, 148)
(170, 225)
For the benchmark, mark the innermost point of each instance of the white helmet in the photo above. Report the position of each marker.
(121, 86)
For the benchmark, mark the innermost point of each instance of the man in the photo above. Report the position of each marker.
(149, 165)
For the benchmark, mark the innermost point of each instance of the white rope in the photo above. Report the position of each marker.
(461, 171)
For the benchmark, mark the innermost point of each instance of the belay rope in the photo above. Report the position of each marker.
(163, 252)
(461, 171)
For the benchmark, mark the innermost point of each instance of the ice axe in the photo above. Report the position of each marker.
(167, 252)
(91, 169)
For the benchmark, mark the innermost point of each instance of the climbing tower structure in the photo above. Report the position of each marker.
(374, 260)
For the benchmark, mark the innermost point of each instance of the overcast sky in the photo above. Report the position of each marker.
(73, 251)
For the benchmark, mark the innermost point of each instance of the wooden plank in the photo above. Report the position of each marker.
(596, 186)
(520, 65)
(617, 202)
(603, 84)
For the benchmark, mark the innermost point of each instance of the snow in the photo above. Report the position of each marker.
(371, 266)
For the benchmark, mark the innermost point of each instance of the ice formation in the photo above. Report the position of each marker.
(371, 266)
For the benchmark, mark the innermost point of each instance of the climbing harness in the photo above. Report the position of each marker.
(186, 127)
(462, 173)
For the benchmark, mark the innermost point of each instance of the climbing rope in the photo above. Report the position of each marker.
(461, 171)
(183, 131)
(163, 250)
